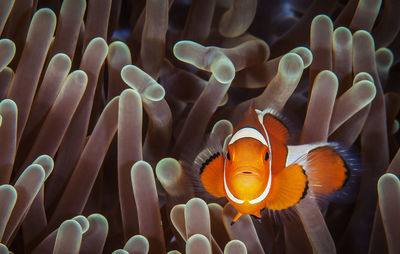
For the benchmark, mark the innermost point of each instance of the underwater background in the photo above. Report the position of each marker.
(105, 104)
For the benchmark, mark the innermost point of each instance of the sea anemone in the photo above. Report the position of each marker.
(106, 104)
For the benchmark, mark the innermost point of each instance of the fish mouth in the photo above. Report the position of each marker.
(247, 172)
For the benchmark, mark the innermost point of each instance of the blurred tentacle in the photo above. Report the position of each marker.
(144, 189)
(23, 86)
(84, 175)
(129, 152)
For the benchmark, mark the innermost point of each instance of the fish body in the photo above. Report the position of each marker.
(258, 169)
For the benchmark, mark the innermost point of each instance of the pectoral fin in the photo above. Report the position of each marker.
(211, 175)
(288, 187)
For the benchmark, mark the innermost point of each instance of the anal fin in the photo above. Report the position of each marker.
(288, 187)
(237, 216)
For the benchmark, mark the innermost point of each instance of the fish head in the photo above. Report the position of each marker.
(247, 168)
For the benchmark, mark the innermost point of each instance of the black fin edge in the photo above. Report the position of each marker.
(305, 187)
(347, 193)
(208, 161)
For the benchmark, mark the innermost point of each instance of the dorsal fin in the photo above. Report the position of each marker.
(250, 119)
(275, 126)
(278, 135)
(279, 154)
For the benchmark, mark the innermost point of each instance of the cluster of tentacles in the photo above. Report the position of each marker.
(105, 105)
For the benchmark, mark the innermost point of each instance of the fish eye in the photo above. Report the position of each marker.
(228, 156)
(266, 156)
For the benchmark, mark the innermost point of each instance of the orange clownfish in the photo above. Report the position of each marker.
(258, 169)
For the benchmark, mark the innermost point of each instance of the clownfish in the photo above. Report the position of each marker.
(257, 169)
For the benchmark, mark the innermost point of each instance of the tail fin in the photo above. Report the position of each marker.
(332, 173)
(349, 191)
